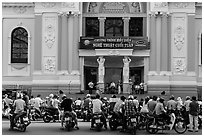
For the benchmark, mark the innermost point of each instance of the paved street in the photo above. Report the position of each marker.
(41, 128)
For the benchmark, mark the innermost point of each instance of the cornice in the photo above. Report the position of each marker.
(18, 4)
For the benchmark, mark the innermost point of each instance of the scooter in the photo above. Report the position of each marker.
(50, 114)
(98, 123)
(69, 121)
(20, 123)
(114, 121)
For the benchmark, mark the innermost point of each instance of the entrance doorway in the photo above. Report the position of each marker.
(90, 74)
(136, 75)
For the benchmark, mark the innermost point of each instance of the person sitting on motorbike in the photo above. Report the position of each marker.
(78, 103)
(117, 107)
(171, 105)
(19, 106)
(66, 105)
(129, 109)
(161, 112)
(87, 102)
(37, 104)
(97, 108)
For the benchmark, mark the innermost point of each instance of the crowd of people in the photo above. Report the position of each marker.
(122, 106)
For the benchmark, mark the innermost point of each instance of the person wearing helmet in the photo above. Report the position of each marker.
(128, 109)
(87, 102)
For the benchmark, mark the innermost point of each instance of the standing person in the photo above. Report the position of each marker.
(142, 87)
(117, 107)
(136, 102)
(91, 85)
(61, 94)
(55, 105)
(179, 103)
(119, 87)
(193, 114)
(50, 100)
(152, 104)
(144, 108)
(186, 105)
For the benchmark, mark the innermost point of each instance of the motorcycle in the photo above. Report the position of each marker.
(34, 114)
(50, 114)
(86, 114)
(98, 122)
(69, 121)
(114, 121)
(132, 124)
(156, 123)
(78, 112)
(21, 122)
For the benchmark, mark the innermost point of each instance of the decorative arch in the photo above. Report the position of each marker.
(21, 29)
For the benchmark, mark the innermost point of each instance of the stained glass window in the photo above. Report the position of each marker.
(19, 45)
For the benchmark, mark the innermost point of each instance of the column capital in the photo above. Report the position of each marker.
(101, 18)
(126, 18)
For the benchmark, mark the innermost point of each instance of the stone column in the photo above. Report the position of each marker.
(101, 24)
(126, 26)
(101, 72)
(81, 60)
(126, 87)
(158, 42)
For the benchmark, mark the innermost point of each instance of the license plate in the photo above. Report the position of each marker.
(98, 121)
(67, 119)
(133, 119)
(25, 119)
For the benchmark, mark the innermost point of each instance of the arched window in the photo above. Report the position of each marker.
(19, 45)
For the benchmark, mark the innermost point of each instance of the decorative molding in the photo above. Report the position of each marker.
(49, 32)
(159, 7)
(19, 66)
(181, 4)
(20, 9)
(49, 64)
(179, 37)
(92, 6)
(137, 7)
(179, 65)
(114, 52)
(48, 4)
(114, 7)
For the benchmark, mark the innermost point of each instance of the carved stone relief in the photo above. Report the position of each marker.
(114, 7)
(68, 4)
(49, 33)
(19, 10)
(179, 65)
(179, 38)
(136, 6)
(92, 7)
(181, 4)
(48, 4)
(49, 64)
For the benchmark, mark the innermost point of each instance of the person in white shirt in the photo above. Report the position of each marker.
(91, 85)
(97, 108)
(37, 104)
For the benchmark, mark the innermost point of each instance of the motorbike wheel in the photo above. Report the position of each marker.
(151, 127)
(98, 127)
(134, 130)
(46, 118)
(180, 126)
(112, 124)
(23, 128)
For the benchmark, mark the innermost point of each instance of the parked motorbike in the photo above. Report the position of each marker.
(98, 122)
(34, 114)
(115, 121)
(78, 112)
(156, 123)
(50, 114)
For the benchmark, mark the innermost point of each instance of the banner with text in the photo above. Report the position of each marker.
(114, 43)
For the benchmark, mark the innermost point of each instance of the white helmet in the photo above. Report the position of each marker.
(130, 97)
(88, 95)
(51, 96)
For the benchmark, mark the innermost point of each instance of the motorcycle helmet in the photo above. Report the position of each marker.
(131, 97)
(51, 96)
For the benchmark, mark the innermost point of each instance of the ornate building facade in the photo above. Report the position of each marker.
(48, 46)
